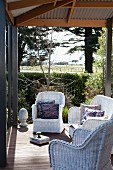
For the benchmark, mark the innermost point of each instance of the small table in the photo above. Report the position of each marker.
(42, 140)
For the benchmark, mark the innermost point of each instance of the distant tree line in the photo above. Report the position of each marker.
(33, 39)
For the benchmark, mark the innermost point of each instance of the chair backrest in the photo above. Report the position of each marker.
(102, 142)
(74, 115)
(48, 96)
(106, 104)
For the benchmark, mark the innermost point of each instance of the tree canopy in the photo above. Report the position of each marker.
(90, 38)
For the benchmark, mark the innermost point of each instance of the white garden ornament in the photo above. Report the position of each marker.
(23, 116)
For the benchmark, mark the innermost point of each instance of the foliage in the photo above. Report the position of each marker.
(93, 86)
(65, 114)
(90, 38)
(36, 46)
(101, 52)
(100, 60)
(25, 39)
(33, 43)
(22, 99)
(74, 85)
(102, 41)
(30, 84)
(77, 88)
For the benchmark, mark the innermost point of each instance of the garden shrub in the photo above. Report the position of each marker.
(65, 114)
(74, 85)
(93, 86)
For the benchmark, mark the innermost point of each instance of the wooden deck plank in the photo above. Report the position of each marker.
(21, 154)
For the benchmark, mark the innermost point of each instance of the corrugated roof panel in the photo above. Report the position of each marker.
(18, 12)
(93, 13)
(56, 14)
(11, 0)
(94, 0)
(110, 14)
(78, 13)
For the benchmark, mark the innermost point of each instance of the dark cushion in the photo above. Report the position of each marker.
(39, 110)
(50, 111)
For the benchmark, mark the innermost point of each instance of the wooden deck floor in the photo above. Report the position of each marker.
(22, 155)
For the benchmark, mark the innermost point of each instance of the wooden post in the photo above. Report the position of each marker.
(9, 72)
(14, 74)
(108, 57)
(2, 86)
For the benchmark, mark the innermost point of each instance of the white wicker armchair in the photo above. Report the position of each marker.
(48, 125)
(74, 114)
(89, 150)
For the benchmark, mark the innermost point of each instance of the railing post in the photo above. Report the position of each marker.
(14, 74)
(2, 86)
(9, 72)
(108, 57)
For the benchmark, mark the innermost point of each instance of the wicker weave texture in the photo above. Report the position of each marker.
(48, 125)
(74, 114)
(90, 149)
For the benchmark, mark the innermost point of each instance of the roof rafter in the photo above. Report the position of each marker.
(55, 2)
(70, 13)
(63, 23)
(27, 3)
(39, 11)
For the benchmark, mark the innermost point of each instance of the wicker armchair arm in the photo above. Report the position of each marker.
(91, 123)
(34, 111)
(60, 111)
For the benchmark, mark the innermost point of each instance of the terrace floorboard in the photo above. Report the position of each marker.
(23, 155)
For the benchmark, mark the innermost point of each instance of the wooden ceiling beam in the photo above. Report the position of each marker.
(63, 23)
(70, 13)
(27, 3)
(9, 14)
(39, 11)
